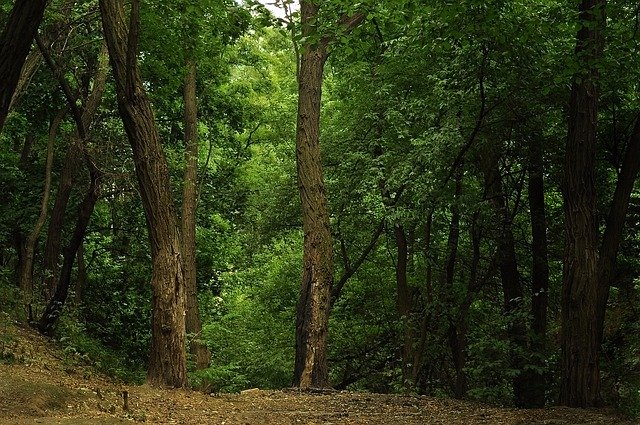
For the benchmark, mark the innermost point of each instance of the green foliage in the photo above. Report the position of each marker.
(80, 348)
(249, 328)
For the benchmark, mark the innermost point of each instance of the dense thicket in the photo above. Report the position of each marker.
(456, 214)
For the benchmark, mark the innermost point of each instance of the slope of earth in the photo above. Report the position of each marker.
(38, 387)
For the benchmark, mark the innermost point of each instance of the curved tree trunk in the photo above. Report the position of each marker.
(70, 165)
(52, 312)
(167, 364)
(15, 43)
(615, 223)
(29, 247)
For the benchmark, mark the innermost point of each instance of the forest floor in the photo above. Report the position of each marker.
(37, 386)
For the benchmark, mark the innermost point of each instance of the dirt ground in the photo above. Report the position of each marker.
(39, 388)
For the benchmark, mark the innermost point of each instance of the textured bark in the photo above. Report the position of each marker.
(312, 318)
(535, 396)
(509, 276)
(580, 359)
(15, 43)
(31, 65)
(311, 369)
(199, 351)
(167, 363)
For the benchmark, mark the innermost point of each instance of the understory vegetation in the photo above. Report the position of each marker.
(438, 121)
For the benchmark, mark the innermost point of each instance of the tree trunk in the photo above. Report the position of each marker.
(198, 351)
(404, 304)
(28, 249)
(454, 335)
(508, 266)
(311, 369)
(15, 43)
(70, 165)
(537, 385)
(167, 363)
(52, 312)
(615, 223)
(580, 362)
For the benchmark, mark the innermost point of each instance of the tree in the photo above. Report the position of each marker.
(311, 369)
(189, 204)
(15, 42)
(167, 365)
(78, 147)
(580, 342)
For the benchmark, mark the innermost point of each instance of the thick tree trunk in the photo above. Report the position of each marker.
(167, 364)
(311, 369)
(535, 397)
(511, 284)
(15, 43)
(198, 351)
(580, 361)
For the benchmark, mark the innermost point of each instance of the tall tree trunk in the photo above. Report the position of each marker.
(404, 304)
(167, 363)
(15, 43)
(312, 316)
(311, 369)
(454, 335)
(580, 361)
(28, 253)
(537, 385)
(198, 351)
(507, 263)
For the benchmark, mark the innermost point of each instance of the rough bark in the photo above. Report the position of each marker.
(199, 351)
(311, 369)
(167, 363)
(15, 43)
(312, 318)
(580, 359)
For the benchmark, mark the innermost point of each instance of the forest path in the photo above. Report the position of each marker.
(40, 387)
